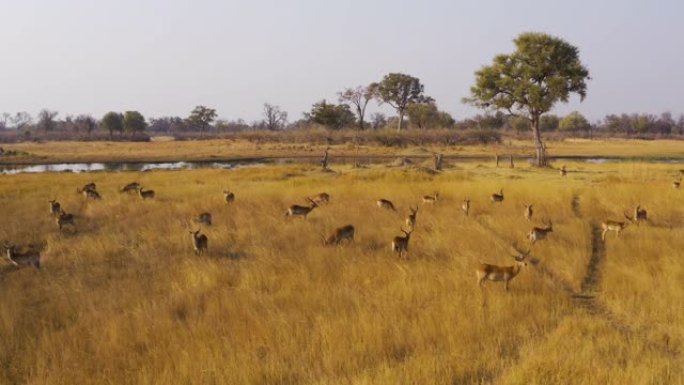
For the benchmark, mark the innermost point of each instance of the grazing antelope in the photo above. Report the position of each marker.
(487, 272)
(612, 226)
(676, 184)
(431, 199)
(55, 207)
(91, 194)
(228, 196)
(203, 218)
(563, 171)
(497, 197)
(385, 204)
(145, 194)
(26, 258)
(539, 233)
(528, 212)
(130, 188)
(340, 234)
(199, 241)
(321, 198)
(465, 206)
(411, 220)
(88, 186)
(65, 219)
(400, 244)
(303, 211)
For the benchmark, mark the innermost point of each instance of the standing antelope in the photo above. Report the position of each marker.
(528, 212)
(400, 244)
(385, 204)
(676, 184)
(203, 218)
(228, 196)
(497, 197)
(340, 234)
(612, 226)
(55, 207)
(65, 219)
(411, 220)
(303, 211)
(321, 198)
(145, 194)
(88, 186)
(200, 243)
(539, 233)
(563, 171)
(640, 215)
(501, 273)
(465, 206)
(91, 194)
(26, 258)
(130, 188)
(431, 199)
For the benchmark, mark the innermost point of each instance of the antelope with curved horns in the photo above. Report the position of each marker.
(431, 199)
(200, 243)
(385, 204)
(340, 234)
(26, 258)
(465, 206)
(411, 220)
(539, 233)
(302, 211)
(616, 226)
(228, 196)
(528, 212)
(487, 272)
(55, 207)
(497, 198)
(400, 244)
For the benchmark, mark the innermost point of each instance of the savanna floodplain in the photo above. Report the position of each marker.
(122, 298)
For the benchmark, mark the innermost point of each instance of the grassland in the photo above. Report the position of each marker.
(123, 299)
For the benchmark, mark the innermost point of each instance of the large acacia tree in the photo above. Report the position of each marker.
(399, 91)
(542, 71)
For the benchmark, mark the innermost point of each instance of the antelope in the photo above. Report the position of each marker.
(501, 273)
(431, 199)
(145, 194)
(340, 234)
(129, 188)
(55, 207)
(86, 187)
(65, 219)
(400, 244)
(539, 233)
(465, 206)
(411, 220)
(203, 218)
(91, 194)
(199, 241)
(27, 258)
(497, 197)
(612, 226)
(563, 171)
(228, 196)
(528, 212)
(385, 204)
(676, 184)
(321, 198)
(303, 211)
(640, 215)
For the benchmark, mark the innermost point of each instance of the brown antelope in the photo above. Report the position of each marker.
(676, 184)
(539, 233)
(613, 226)
(26, 258)
(411, 220)
(563, 171)
(400, 244)
(321, 198)
(65, 219)
(91, 194)
(385, 204)
(640, 215)
(431, 199)
(130, 188)
(228, 196)
(200, 243)
(497, 197)
(203, 218)
(528, 212)
(302, 211)
(145, 194)
(465, 206)
(55, 207)
(487, 272)
(88, 186)
(340, 234)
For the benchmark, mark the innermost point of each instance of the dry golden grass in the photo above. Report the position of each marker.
(124, 300)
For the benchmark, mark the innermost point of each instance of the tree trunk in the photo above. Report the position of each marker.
(539, 145)
(401, 120)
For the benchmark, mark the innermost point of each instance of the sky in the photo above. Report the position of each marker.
(163, 57)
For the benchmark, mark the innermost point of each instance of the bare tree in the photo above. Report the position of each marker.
(378, 120)
(21, 120)
(85, 123)
(46, 119)
(358, 98)
(275, 119)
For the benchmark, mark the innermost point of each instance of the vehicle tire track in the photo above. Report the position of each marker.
(592, 277)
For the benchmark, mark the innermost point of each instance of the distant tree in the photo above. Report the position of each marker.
(274, 118)
(201, 117)
(112, 121)
(542, 71)
(399, 91)
(378, 120)
(518, 123)
(549, 122)
(231, 125)
(445, 120)
(46, 120)
(5, 119)
(168, 124)
(85, 123)
(358, 98)
(426, 115)
(134, 121)
(334, 116)
(21, 120)
(575, 122)
(491, 121)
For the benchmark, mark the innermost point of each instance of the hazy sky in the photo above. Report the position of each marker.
(163, 57)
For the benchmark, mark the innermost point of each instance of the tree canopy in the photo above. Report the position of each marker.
(202, 117)
(334, 116)
(112, 121)
(134, 121)
(399, 91)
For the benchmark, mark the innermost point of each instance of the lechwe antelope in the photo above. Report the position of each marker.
(340, 234)
(528, 212)
(200, 243)
(65, 219)
(228, 196)
(676, 184)
(88, 186)
(411, 220)
(431, 199)
(302, 211)
(487, 272)
(563, 171)
(55, 207)
(400, 244)
(616, 226)
(321, 198)
(130, 188)
(539, 233)
(497, 197)
(30, 257)
(203, 218)
(465, 206)
(385, 204)
(640, 215)
(91, 194)
(145, 194)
